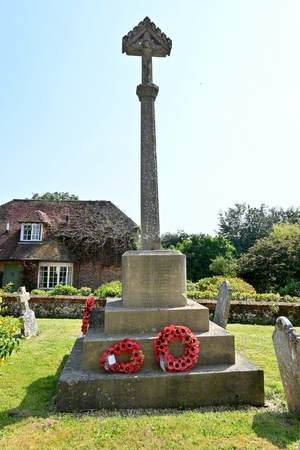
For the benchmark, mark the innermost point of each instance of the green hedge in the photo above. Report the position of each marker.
(112, 289)
(206, 288)
(65, 289)
(212, 284)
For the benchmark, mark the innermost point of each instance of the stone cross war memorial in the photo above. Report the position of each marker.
(177, 357)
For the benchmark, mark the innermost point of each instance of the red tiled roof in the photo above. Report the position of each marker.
(55, 214)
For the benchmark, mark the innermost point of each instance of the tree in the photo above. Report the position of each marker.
(201, 250)
(54, 196)
(242, 225)
(223, 266)
(169, 240)
(274, 261)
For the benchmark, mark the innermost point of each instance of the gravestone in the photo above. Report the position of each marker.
(28, 316)
(287, 348)
(154, 295)
(223, 304)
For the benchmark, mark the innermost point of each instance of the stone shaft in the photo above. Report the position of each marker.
(150, 232)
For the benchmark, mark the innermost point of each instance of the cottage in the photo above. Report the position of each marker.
(45, 243)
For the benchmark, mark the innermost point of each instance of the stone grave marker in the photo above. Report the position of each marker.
(223, 304)
(28, 316)
(287, 348)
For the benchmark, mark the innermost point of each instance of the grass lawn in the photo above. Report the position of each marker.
(28, 384)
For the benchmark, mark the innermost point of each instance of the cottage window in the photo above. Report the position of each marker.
(52, 274)
(31, 232)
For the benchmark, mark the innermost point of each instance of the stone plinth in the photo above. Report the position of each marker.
(220, 384)
(154, 278)
(119, 319)
(216, 347)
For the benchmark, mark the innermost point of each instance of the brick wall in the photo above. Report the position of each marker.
(91, 274)
(94, 273)
(30, 274)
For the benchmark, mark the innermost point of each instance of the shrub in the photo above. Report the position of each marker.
(9, 288)
(274, 261)
(9, 339)
(201, 250)
(244, 296)
(111, 289)
(201, 294)
(223, 266)
(210, 286)
(292, 288)
(63, 289)
(85, 291)
(268, 297)
(40, 292)
(190, 286)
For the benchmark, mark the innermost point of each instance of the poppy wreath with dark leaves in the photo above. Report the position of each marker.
(169, 362)
(125, 346)
(89, 305)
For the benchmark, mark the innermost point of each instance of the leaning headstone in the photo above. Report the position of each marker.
(28, 316)
(223, 305)
(287, 348)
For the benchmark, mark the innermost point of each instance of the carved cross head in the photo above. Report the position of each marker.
(146, 39)
(24, 297)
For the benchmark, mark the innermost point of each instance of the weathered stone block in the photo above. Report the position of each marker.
(119, 319)
(154, 278)
(79, 390)
(216, 347)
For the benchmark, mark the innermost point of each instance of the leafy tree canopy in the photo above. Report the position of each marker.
(242, 225)
(54, 196)
(223, 266)
(169, 240)
(200, 250)
(274, 261)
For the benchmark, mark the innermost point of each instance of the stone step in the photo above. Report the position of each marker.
(135, 320)
(80, 390)
(216, 347)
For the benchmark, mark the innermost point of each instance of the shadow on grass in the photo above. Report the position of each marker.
(39, 400)
(280, 428)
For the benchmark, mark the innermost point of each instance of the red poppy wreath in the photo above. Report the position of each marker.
(169, 362)
(110, 359)
(89, 305)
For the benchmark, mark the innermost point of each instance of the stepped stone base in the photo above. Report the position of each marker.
(81, 390)
(120, 319)
(216, 347)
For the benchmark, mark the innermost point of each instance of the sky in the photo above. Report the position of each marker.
(227, 112)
